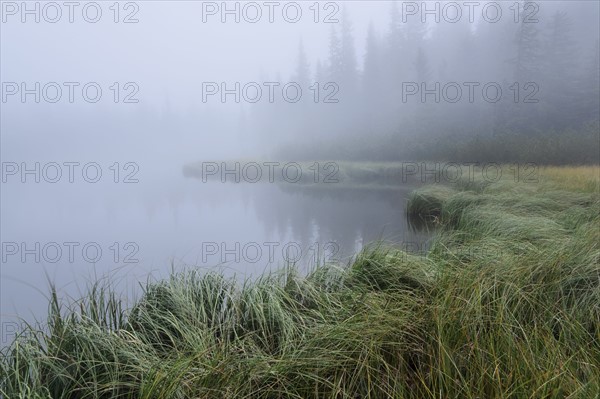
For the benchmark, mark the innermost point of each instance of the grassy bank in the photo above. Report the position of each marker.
(563, 147)
(325, 174)
(505, 305)
(352, 174)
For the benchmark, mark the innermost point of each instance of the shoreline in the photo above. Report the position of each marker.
(505, 304)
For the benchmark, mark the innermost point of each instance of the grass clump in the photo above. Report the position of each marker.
(506, 304)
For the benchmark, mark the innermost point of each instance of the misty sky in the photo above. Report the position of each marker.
(170, 51)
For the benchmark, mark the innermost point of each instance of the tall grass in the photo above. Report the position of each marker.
(506, 304)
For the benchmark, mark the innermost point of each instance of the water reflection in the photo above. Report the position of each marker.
(170, 221)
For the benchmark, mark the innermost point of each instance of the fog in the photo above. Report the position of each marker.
(137, 90)
(383, 70)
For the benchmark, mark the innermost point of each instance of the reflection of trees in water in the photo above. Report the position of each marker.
(313, 216)
(348, 217)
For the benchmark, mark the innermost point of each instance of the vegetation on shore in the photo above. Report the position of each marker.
(506, 304)
(325, 174)
(563, 147)
(367, 175)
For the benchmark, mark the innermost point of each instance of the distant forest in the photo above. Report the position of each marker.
(430, 91)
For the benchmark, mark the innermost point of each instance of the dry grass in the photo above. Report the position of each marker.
(579, 178)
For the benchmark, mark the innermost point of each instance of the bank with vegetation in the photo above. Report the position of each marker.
(506, 304)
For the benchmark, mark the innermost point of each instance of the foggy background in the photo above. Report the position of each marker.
(368, 50)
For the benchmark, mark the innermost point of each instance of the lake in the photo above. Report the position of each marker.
(73, 233)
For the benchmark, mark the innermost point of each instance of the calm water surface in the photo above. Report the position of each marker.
(129, 232)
